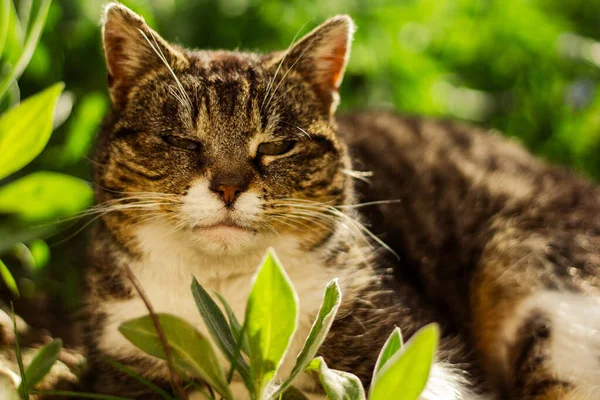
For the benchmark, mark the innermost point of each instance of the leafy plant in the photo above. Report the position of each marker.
(25, 129)
(256, 348)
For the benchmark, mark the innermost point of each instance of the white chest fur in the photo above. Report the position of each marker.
(166, 275)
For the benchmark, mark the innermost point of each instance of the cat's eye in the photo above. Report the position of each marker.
(275, 148)
(185, 144)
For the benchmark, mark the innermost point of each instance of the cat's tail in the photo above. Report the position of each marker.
(557, 336)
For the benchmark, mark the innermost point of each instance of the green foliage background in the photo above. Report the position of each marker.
(529, 68)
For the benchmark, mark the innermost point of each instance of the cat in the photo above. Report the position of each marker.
(207, 158)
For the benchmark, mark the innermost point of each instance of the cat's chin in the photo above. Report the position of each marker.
(223, 238)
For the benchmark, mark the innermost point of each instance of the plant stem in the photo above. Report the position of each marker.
(140, 379)
(30, 45)
(161, 334)
(23, 389)
(25, 13)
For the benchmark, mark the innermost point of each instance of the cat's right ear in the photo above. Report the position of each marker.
(132, 48)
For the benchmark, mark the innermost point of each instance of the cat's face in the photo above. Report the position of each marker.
(230, 148)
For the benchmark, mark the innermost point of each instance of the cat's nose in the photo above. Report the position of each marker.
(228, 193)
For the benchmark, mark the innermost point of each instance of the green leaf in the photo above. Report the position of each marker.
(12, 45)
(43, 195)
(405, 374)
(392, 345)
(339, 385)
(41, 364)
(140, 379)
(9, 280)
(12, 235)
(192, 352)
(25, 129)
(83, 126)
(219, 330)
(40, 252)
(318, 332)
(28, 49)
(271, 319)
(236, 328)
(4, 21)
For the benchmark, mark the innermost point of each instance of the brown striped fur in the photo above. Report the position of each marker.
(479, 225)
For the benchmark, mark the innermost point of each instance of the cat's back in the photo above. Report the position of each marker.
(446, 161)
(445, 190)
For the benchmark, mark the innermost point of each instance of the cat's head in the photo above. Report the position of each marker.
(227, 147)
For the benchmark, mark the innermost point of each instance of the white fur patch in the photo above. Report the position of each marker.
(448, 383)
(172, 258)
(574, 337)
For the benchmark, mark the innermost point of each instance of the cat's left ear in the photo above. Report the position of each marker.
(132, 48)
(321, 57)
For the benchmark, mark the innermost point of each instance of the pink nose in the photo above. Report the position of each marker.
(228, 193)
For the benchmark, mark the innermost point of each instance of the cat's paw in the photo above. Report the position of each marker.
(560, 335)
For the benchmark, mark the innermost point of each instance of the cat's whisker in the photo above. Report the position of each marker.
(359, 175)
(156, 48)
(272, 80)
(366, 231)
(181, 100)
(297, 127)
(291, 220)
(134, 193)
(287, 221)
(315, 218)
(369, 203)
(289, 70)
(270, 227)
(319, 210)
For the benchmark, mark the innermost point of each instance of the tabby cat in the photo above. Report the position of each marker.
(209, 157)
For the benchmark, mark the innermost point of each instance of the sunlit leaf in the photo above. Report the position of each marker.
(271, 319)
(219, 329)
(339, 385)
(8, 279)
(12, 235)
(31, 41)
(405, 374)
(13, 39)
(45, 195)
(83, 126)
(192, 352)
(392, 345)
(318, 332)
(40, 252)
(25, 129)
(42, 363)
(4, 21)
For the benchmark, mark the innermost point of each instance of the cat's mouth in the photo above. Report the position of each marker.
(224, 229)
(223, 225)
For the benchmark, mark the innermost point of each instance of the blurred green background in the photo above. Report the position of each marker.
(529, 68)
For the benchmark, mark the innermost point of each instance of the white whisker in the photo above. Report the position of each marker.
(159, 53)
(272, 80)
